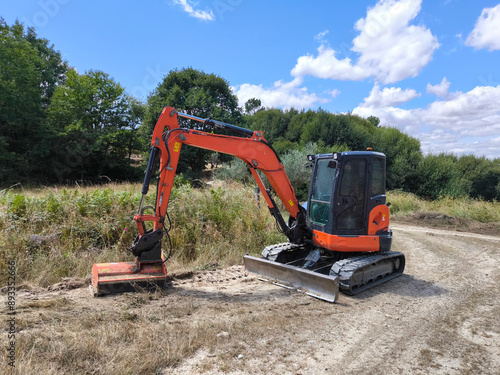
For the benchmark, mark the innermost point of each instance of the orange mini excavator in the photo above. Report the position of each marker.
(339, 238)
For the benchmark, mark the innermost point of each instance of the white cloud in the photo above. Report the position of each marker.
(474, 112)
(281, 94)
(321, 36)
(333, 93)
(486, 33)
(200, 14)
(388, 97)
(389, 48)
(326, 65)
(440, 90)
(462, 123)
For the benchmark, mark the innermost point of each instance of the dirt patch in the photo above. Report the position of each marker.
(69, 283)
(439, 220)
(440, 317)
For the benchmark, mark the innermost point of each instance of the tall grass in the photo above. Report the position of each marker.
(467, 209)
(218, 225)
(55, 233)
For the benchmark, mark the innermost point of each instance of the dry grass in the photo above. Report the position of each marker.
(54, 233)
(135, 334)
(463, 208)
(455, 213)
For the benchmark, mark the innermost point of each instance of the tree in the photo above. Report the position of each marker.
(252, 105)
(435, 176)
(403, 157)
(29, 72)
(479, 177)
(196, 93)
(375, 121)
(94, 125)
(272, 122)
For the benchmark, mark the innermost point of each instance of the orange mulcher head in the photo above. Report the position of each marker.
(147, 271)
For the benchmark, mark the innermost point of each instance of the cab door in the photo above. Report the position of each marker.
(350, 201)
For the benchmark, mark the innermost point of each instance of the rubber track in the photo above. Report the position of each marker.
(271, 252)
(346, 269)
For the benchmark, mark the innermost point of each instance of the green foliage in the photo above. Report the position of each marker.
(17, 206)
(236, 170)
(295, 162)
(94, 125)
(479, 177)
(375, 121)
(57, 125)
(196, 93)
(252, 105)
(272, 122)
(30, 71)
(434, 176)
(282, 146)
(60, 126)
(403, 157)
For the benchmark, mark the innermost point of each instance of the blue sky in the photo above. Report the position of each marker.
(429, 68)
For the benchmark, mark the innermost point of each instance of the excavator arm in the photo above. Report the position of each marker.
(250, 146)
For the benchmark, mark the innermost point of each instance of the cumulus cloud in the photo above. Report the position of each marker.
(326, 65)
(389, 96)
(440, 90)
(461, 123)
(486, 33)
(189, 9)
(389, 48)
(281, 94)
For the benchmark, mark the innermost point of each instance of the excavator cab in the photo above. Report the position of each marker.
(348, 219)
(345, 189)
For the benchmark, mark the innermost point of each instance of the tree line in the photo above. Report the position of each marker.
(60, 126)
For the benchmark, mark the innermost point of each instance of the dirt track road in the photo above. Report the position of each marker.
(440, 317)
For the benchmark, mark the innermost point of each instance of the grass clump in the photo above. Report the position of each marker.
(217, 225)
(55, 233)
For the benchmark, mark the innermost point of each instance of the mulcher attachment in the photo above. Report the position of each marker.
(148, 271)
(127, 277)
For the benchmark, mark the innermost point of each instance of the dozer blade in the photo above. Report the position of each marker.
(312, 283)
(126, 277)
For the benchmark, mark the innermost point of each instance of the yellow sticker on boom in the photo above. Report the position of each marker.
(291, 203)
(177, 145)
